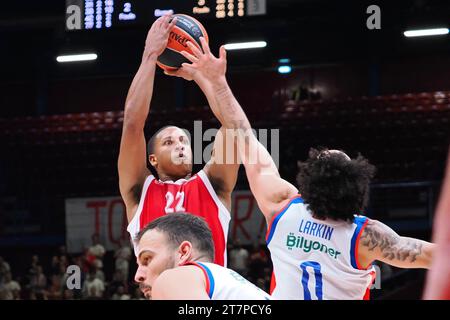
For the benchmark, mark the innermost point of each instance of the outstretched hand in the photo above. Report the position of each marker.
(158, 35)
(185, 73)
(204, 65)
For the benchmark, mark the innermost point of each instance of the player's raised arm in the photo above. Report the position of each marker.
(379, 242)
(132, 163)
(268, 188)
(223, 167)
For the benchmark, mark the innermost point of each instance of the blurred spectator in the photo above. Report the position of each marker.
(68, 294)
(99, 274)
(97, 249)
(38, 281)
(55, 292)
(81, 261)
(63, 275)
(4, 268)
(34, 266)
(64, 261)
(62, 251)
(93, 287)
(86, 260)
(116, 282)
(303, 92)
(96, 252)
(258, 262)
(54, 266)
(123, 255)
(10, 288)
(239, 259)
(121, 294)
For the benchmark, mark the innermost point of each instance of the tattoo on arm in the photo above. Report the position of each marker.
(391, 245)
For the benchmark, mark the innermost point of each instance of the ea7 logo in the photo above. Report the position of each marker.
(73, 17)
(374, 21)
(74, 280)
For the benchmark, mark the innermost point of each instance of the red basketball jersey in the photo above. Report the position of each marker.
(195, 195)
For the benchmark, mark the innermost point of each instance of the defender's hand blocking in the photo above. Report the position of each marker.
(205, 66)
(185, 73)
(158, 35)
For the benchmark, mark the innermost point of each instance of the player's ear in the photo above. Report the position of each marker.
(184, 252)
(153, 160)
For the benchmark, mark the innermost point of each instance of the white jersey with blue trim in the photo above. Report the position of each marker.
(225, 284)
(316, 259)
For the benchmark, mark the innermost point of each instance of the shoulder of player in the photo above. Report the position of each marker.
(183, 276)
(283, 201)
(186, 272)
(376, 238)
(374, 228)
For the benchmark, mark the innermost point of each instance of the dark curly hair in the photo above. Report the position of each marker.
(334, 186)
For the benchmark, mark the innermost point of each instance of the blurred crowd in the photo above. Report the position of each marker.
(48, 280)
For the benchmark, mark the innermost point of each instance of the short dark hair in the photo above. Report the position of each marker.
(152, 141)
(333, 186)
(181, 227)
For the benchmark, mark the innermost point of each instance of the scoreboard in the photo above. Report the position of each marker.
(105, 14)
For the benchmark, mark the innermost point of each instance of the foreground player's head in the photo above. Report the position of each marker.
(168, 242)
(169, 152)
(333, 185)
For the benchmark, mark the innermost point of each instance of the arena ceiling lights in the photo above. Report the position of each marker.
(245, 45)
(426, 32)
(76, 57)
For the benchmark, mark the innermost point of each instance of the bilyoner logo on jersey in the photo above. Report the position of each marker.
(300, 242)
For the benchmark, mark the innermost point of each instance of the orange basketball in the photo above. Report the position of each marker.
(186, 29)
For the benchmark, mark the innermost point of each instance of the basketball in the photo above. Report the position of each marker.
(186, 29)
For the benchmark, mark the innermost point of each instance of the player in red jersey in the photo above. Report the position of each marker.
(206, 194)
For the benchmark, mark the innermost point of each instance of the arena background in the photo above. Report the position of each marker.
(370, 91)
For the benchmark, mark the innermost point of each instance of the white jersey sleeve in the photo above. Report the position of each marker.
(225, 284)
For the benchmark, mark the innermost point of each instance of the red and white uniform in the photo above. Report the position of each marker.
(195, 195)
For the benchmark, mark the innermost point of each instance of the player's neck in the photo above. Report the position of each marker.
(201, 258)
(165, 177)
